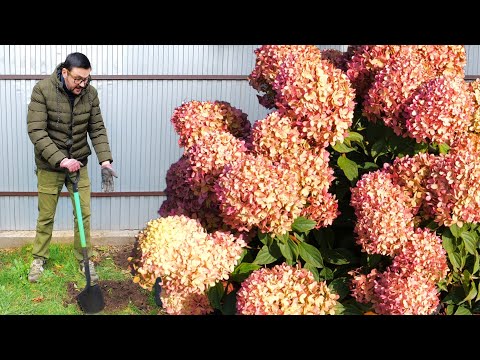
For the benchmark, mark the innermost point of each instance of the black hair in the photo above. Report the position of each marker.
(76, 59)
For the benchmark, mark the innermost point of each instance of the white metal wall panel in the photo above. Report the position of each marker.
(137, 114)
(473, 60)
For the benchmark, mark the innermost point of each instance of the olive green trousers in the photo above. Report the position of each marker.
(50, 184)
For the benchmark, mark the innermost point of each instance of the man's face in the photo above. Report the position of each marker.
(76, 79)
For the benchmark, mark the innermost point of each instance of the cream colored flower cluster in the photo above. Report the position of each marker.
(187, 259)
(285, 290)
(192, 119)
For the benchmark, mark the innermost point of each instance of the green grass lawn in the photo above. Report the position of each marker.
(50, 294)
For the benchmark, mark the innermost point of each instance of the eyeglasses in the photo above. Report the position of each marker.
(79, 80)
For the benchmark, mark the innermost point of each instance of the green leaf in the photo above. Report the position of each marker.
(342, 147)
(369, 166)
(378, 148)
(471, 293)
(242, 271)
(455, 259)
(420, 147)
(373, 260)
(334, 256)
(282, 238)
(264, 257)
(325, 238)
(310, 254)
(354, 136)
(470, 242)
(339, 308)
(349, 167)
(215, 294)
(302, 224)
(230, 304)
(313, 270)
(476, 263)
(456, 231)
(326, 273)
(340, 286)
(352, 309)
(455, 296)
(462, 311)
(293, 248)
(275, 250)
(286, 251)
(443, 148)
(447, 240)
(265, 239)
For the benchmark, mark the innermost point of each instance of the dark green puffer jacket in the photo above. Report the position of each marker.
(53, 125)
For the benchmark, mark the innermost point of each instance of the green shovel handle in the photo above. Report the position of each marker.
(78, 211)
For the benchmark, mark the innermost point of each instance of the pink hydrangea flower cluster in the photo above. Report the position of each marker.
(393, 85)
(285, 290)
(187, 259)
(364, 63)
(192, 119)
(317, 95)
(392, 293)
(453, 191)
(275, 138)
(384, 217)
(385, 202)
(268, 61)
(255, 192)
(440, 110)
(181, 200)
(207, 157)
(446, 60)
(411, 173)
(408, 286)
(396, 84)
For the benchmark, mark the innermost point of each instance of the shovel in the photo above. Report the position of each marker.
(90, 299)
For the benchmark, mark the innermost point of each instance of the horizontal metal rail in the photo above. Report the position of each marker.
(93, 194)
(136, 77)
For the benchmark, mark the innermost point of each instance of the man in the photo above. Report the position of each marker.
(63, 109)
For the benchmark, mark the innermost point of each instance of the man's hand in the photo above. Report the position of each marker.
(107, 176)
(71, 164)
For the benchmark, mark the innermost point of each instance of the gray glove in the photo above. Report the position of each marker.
(107, 177)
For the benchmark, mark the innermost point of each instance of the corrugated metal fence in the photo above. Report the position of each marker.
(139, 87)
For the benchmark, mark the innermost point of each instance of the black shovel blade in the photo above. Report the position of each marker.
(91, 300)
